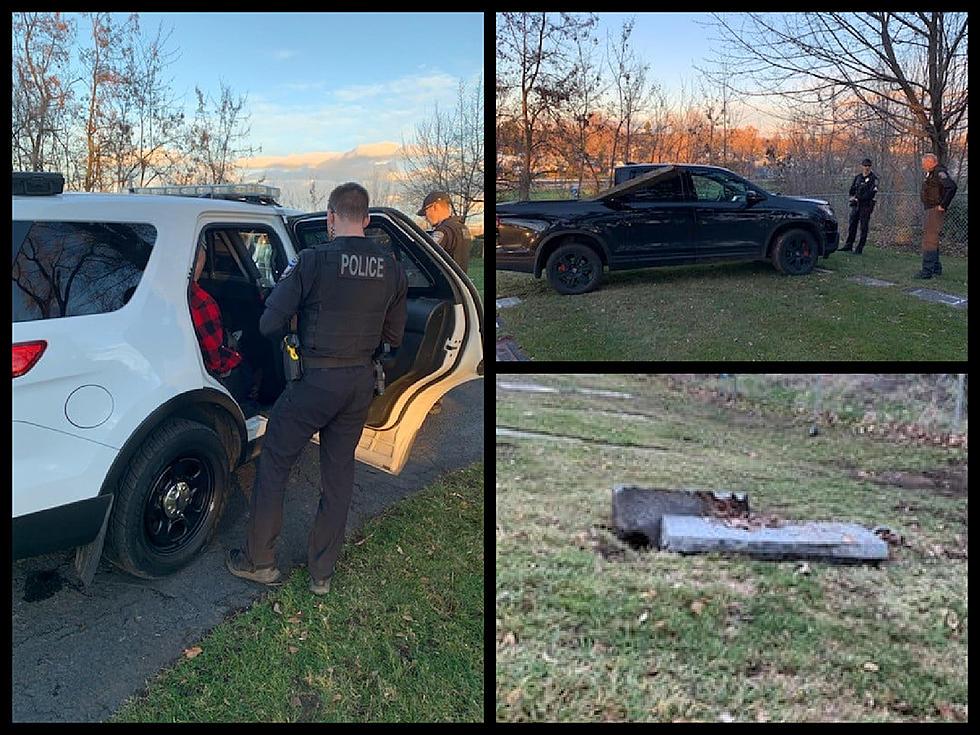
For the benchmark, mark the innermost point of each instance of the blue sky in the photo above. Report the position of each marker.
(326, 81)
(673, 44)
(330, 96)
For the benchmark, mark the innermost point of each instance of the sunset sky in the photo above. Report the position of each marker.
(331, 97)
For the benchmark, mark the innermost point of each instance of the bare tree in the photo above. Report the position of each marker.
(216, 138)
(446, 153)
(531, 60)
(907, 69)
(316, 198)
(576, 120)
(104, 68)
(42, 92)
(470, 124)
(380, 186)
(153, 117)
(720, 109)
(429, 158)
(633, 91)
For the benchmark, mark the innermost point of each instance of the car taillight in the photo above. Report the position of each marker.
(26, 355)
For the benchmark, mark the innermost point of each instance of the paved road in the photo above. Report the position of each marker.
(79, 653)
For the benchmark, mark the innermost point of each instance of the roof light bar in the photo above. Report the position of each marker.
(211, 191)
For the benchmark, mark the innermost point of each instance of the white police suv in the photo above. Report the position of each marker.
(122, 440)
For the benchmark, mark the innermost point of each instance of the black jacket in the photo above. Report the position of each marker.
(864, 187)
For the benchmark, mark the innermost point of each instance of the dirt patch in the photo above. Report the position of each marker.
(952, 481)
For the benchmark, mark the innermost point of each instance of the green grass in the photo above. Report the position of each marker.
(398, 638)
(588, 629)
(744, 311)
(475, 272)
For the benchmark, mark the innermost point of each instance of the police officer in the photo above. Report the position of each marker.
(349, 294)
(862, 192)
(937, 192)
(450, 231)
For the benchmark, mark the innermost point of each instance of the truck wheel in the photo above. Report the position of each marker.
(795, 253)
(169, 501)
(574, 269)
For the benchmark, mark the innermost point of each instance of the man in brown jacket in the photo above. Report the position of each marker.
(938, 189)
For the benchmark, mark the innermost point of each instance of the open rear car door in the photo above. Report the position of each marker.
(443, 342)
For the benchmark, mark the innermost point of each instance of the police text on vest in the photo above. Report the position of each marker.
(361, 266)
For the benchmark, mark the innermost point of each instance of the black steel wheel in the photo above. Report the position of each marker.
(574, 269)
(177, 504)
(169, 501)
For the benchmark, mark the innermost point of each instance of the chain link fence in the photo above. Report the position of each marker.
(873, 402)
(898, 219)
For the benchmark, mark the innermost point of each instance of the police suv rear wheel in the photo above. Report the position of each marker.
(795, 253)
(169, 501)
(574, 269)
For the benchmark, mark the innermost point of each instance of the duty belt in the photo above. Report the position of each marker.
(333, 362)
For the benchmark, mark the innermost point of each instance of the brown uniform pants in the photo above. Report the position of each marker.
(930, 240)
(934, 223)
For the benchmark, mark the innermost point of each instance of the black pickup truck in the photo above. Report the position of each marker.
(659, 215)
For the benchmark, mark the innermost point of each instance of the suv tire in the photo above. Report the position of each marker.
(169, 501)
(795, 253)
(574, 269)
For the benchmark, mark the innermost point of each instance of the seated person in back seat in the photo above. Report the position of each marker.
(222, 361)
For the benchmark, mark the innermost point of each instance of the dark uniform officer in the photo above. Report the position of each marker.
(938, 189)
(862, 192)
(349, 294)
(450, 231)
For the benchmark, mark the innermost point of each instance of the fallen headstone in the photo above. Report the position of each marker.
(830, 541)
(637, 511)
(699, 521)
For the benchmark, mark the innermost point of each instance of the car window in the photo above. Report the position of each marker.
(716, 186)
(314, 233)
(261, 244)
(263, 253)
(416, 276)
(664, 189)
(74, 268)
(224, 260)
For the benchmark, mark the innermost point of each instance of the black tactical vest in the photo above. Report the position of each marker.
(344, 311)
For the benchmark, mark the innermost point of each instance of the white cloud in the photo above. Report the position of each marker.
(416, 84)
(316, 118)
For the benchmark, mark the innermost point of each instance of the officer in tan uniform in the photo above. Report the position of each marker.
(450, 231)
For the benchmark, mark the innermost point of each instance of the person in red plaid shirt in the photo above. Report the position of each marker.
(219, 359)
